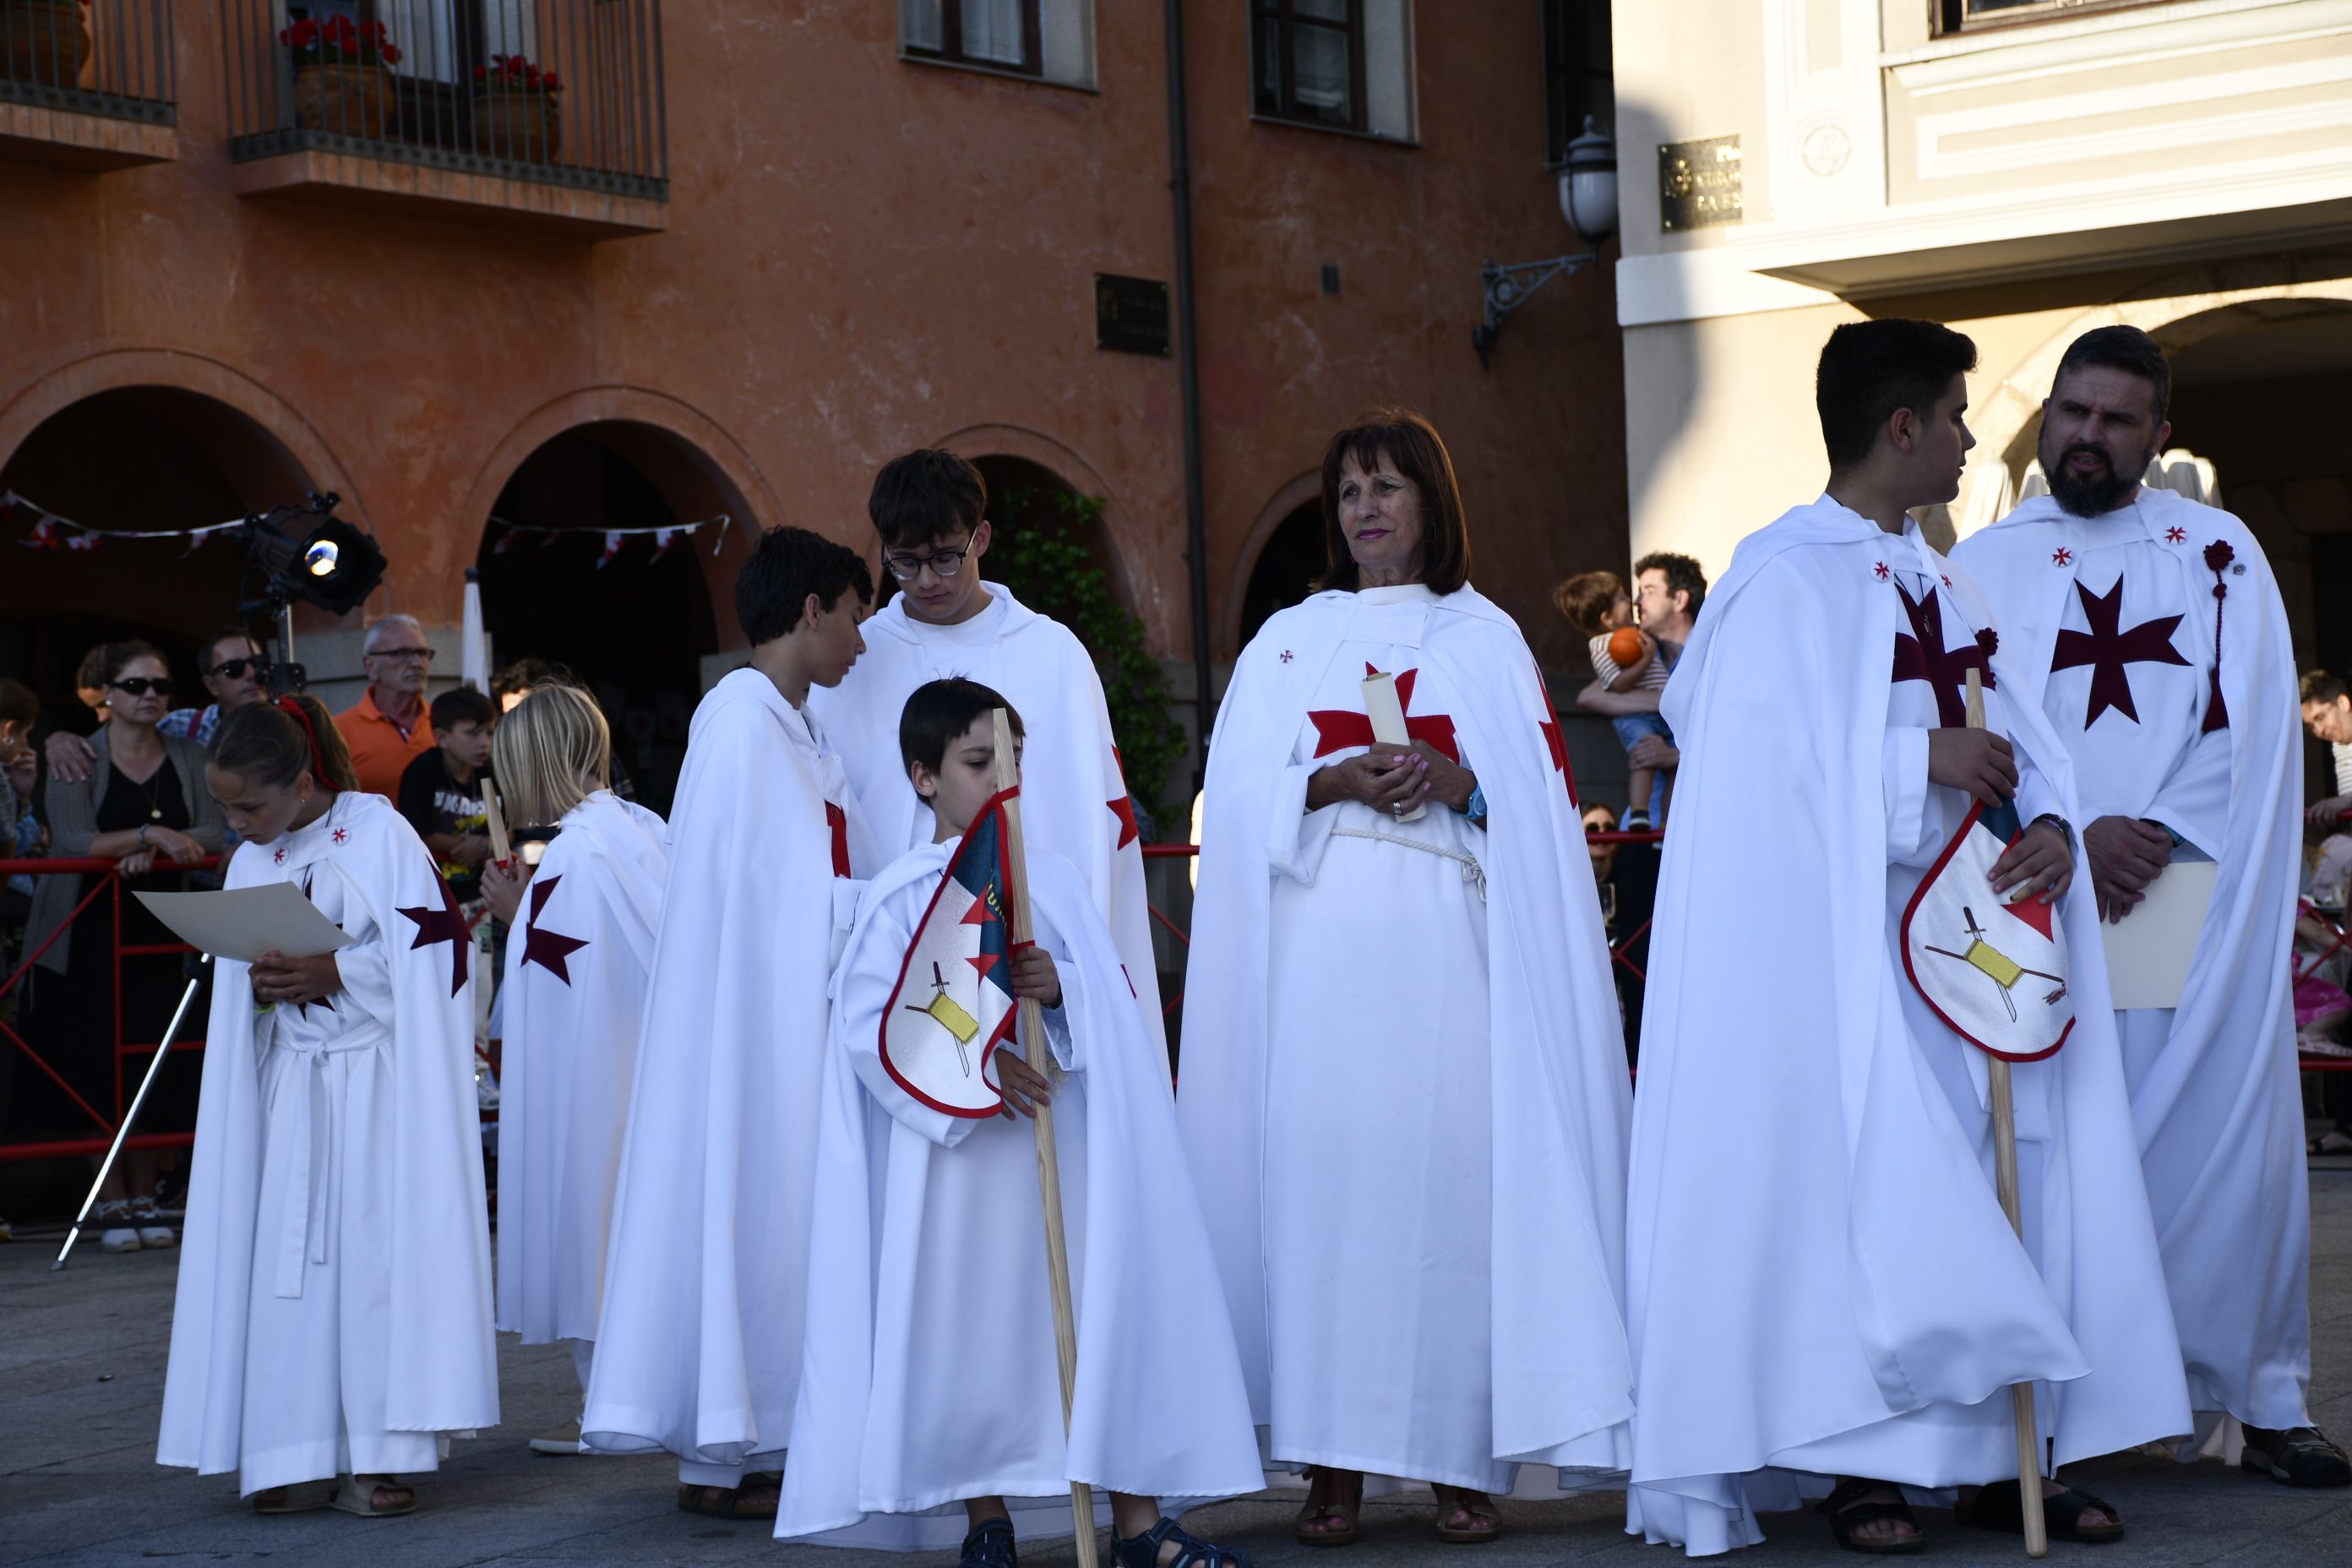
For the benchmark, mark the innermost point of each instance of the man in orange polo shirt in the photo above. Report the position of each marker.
(388, 724)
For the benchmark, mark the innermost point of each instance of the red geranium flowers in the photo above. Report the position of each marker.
(513, 73)
(339, 40)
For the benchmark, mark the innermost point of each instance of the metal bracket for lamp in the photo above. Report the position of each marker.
(1588, 199)
(1506, 288)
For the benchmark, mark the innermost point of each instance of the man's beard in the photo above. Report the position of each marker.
(2092, 495)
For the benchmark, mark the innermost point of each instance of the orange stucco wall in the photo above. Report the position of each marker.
(862, 255)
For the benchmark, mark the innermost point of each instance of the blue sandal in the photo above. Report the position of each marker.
(989, 1545)
(1144, 1551)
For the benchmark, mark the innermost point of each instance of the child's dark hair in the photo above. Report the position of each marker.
(1870, 369)
(939, 711)
(930, 493)
(1586, 598)
(527, 675)
(272, 744)
(786, 566)
(461, 705)
(18, 706)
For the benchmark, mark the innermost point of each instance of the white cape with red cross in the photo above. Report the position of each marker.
(1994, 971)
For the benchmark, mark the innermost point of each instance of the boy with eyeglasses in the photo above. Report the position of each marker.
(929, 507)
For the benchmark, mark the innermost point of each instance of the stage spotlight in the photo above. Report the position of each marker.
(308, 553)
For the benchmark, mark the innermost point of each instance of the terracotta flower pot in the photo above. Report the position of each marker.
(45, 41)
(521, 125)
(351, 100)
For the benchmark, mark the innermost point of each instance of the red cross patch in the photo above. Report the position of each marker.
(1879, 571)
(282, 855)
(2176, 535)
(2062, 556)
(341, 835)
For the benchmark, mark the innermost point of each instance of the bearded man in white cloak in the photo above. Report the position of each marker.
(2151, 630)
(1404, 1089)
(1826, 1296)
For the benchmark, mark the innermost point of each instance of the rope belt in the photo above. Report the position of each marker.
(307, 1150)
(1472, 874)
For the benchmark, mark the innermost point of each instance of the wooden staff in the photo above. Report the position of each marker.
(2004, 1171)
(1049, 1165)
(495, 820)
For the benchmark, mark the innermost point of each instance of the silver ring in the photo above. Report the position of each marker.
(1397, 810)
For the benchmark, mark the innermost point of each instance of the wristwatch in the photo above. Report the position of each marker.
(2065, 830)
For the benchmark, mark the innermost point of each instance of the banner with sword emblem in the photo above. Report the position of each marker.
(954, 1004)
(1995, 972)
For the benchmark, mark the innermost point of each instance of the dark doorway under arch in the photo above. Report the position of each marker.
(136, 458)
(634, 628)
(1293, 557)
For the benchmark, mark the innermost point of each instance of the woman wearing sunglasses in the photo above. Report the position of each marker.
(143, 805)
(234, 672)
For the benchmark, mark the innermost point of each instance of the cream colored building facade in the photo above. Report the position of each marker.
(2024, 172)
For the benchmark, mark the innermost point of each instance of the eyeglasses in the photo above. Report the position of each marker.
(946, 563)
(234, 668)
(423, 654)
(141, 685)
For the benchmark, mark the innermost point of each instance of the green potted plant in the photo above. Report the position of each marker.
(340, 83)
(517, 110)
(45, 41)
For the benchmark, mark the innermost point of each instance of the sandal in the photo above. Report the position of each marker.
(1486, 1523)
(300, 1496)
(1325, 1513)
(989, 1545)
(727, 1502)
(358, 1494)
(1144, 1551)
(1999, 1506)
(1847, 1513)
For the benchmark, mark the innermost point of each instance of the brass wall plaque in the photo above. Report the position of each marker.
(1699, 183)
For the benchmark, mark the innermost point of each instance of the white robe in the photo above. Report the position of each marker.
(698, 1349)
(575, 994)
(930, 1372)
(1406, 1107)
(334, 1306)
(1821, 1278)
(1076, 802)
(2213, 1086)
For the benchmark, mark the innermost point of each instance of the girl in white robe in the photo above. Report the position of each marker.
(333, 1309)
(584, 925)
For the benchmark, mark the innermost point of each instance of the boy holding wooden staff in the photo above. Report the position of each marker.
(1824, 1294)
(931, 1406)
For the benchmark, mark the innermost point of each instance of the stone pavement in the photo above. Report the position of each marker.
(81, 1381)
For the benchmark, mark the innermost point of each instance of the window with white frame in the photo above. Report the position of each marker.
(1344, 65)
(1052, 40)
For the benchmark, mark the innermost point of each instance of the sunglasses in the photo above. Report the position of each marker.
(141, 685)
(235, 668)
(424, 654)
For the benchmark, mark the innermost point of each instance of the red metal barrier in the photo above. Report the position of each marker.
(105, 882)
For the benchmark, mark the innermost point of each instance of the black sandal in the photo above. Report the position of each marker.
(989, 1545)
(1999, 1507)
(1144, 1551)
(1847, 1513)
(727, 1502)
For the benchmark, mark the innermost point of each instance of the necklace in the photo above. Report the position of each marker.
(154, 795)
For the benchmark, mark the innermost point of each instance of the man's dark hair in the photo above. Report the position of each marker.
(928, 494)
(938, 711)
(786, 566)
(1411, 444)
(1870, 369)
(528, 674)
(2317, 686)
(2127, 349)
(18, 706)
(460, 705)
(1683, 577)
(221, 633)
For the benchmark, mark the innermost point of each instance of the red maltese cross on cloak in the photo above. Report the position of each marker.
(2107, 650)
(1336, 730)
(444, 924)
(1921, 655)
(549, 949)
(1122, 810)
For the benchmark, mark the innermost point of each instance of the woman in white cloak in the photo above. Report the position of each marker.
(583, 924)
(1403, 1091)
(333, 1324)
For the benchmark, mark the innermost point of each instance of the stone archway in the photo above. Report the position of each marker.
(109, 444)
(1260, 576)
